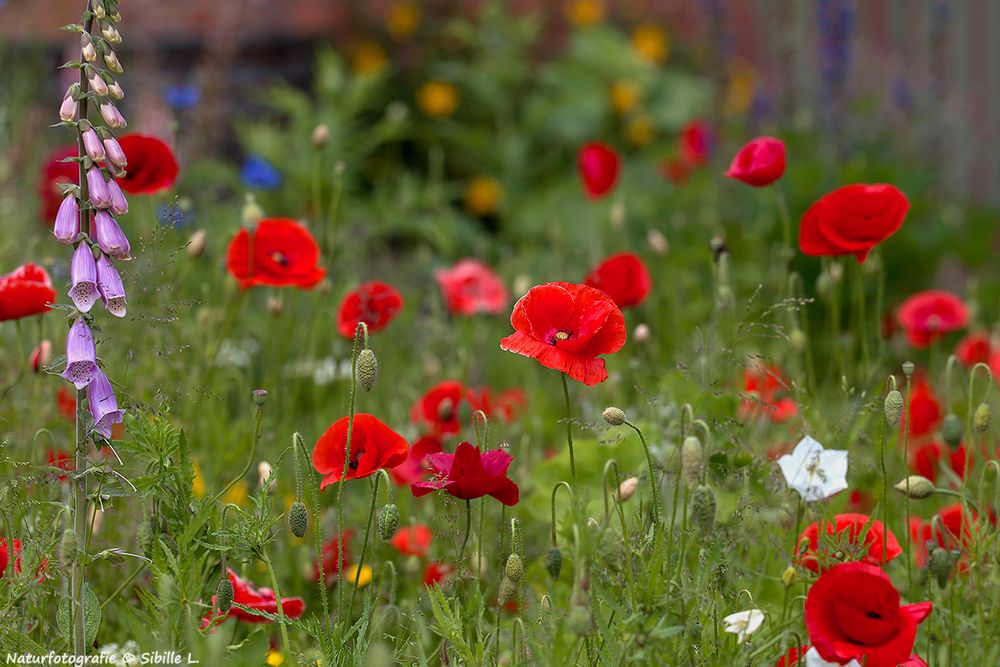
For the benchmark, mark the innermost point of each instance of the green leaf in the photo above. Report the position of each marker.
(91, 615)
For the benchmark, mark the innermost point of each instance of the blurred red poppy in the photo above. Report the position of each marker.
(375, 303)
(61, 460)
(565, 327)
(505, 405)
(694, 144)
(439, 407)
(259, 600)
(436, 573)
(24, 292)
(927, 316)
(791, 658)
(373, 446)
(852, 220)
(469, 474)
(335, 560)
(5, 555)
(415, 468)
(759, 163)
(623, 277)
(471, 287)
(974, 349)
(151, 167)
(926, 459)
(56, 173)
(766, 386)
(278, 252)
(598, 165)
(674, 170)
(848, 531)
(66, 402)
(925, 410)
(955, 531)
(412, 540)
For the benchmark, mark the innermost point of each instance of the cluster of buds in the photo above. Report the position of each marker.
(86, 216)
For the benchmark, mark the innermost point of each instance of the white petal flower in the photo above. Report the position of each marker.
(814, 472)
(814, 659)
(744, 623)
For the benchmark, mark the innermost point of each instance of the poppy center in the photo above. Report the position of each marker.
(352, 464)
(279, 258)
(559, 335)
(446, 410)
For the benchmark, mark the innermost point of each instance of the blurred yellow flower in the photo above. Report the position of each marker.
(437, 99)
(741, 89)
(368, 58)
(402, 19)
(650, 43)
(363, 580)
(482, 195)
(198, 482)
(624, 96)
(584, 13)
(274, 658)
(640, 130)
(237, 494)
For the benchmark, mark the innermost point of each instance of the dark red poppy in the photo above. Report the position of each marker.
(505, 405)
(277, 252)
(995, 365)
(440, 407)
(66, 402)
(845, 537)
(24, 292)
(335, 561)
(926, 316)
(694, 145)
(375, 303)
(435, 573)
(852, 612)
(55, 172)
(955, 531)
(412, 540)
(852, 220)
(622, 276)
(766, 394)
(926, 459)
(469, 474)
(415, 467)
(61, 460)
(151, 167)
(471, 287)
(598, 165)
(565, 327)
(373, 446)
(5, 555)
(974, 349)
(259, 600)
(791, 658)
(759, 163)
(925, 409)
(860, 502)
(674, 170)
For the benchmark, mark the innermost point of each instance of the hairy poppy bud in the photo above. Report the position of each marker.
(388, 521)
(627, 488)
(580, 621)
(703, 508)
(553, 562)
(367, 369)
(981, 418)
(67, 548)
(614, 416)
(507, 592)
(789, 576)
(951, 431)
(516, 546)
(514, 568)
(224, 595)
(941, 563)
(691, 457)
(915, 487)
(893, 407)
(298, 518)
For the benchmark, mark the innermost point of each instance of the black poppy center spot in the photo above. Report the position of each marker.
(352, 464)
(279, 258)
(874, 615)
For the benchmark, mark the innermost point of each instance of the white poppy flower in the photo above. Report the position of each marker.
(814, 659)
(744, 623)
(814, 472)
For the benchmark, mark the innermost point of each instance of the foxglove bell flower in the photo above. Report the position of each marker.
(815, 473)
(109, 283)
(67, 224)
(81, 356)
(83, 279)
(103, 405)
(115, 154)
(119, 204)
(97, 187)
(110, 236)
(92, 144)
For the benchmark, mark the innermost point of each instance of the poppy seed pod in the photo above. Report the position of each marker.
(553, 561)
(388, 521)
(703, 508)
(367, 369)
(951, 431)
(298, 519)
(981, 418)
(893, 407)
(67, 548)
(224, 595)
(514, 569)
(916, 487)
(908, 368)
(614, 416)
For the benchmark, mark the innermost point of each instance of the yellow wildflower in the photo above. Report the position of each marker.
(363, 580)
(482, 195)
(625, 96)
(402, 19)
(650, 43)
(585, 13)
(368, 58)
(437, 99)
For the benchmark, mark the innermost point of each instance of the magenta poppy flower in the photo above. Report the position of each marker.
(469, 474)
(599, 166)
(759, 163)
(927, 316)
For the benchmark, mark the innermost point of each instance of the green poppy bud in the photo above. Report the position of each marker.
(224, 595)
(298, 519)
(388, 521)
(580, 621)
(614, 416)
(367, 369)
(508, 591)
(703, 508)
(951, 431)
(553, 562)
(915, 487)
(514, 569)
(981, 418)
(893, 407)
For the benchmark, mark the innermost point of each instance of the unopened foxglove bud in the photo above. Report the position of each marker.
(111, 33)
(111, 116)
(367, 369)
(916, 487)
(893, 407)
(67, 224)
(298, 519)
(68, 108)
(981, 418)
(115, 91)
(97, 188)
(119, 204)
(703, 508)
(111, 60)
(388, 521)
(614, 416)
(224, 595)
(98, 9)
(951, 431)
(92, 144)
(110, 236)
(115, 153)
(98, 85)
(553, 561)
(514, 568)
(87, 48)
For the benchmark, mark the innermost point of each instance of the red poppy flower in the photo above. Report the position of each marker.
(925, 409)
(375, 303)
(852, 220)
(471, 287)
(955, 531)
(415, 468)
(975, 348)
(151, 167)
(852, 612)
(5, 555)
(565, 327)
(505, 405)
(24, 292)
(334, 560)
(926, 316)
(412, 540)
(436, 573)
(61, 460)
(469, 474)
(791, 658)
(765, 386)
(860, 502)
(598, 165)
(284, 254)
(66, 402)
(373, 446)
(695, 143)
(759, 163)
(926, 458)
(260, 600)
(55, 172)
(849, 528)
(674, 170)
(439, 407)
(623, 277)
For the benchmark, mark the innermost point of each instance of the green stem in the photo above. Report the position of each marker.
(347, 455)
(253, 450)
(653, 485)
(906, 497)
(364, 547)
(468, 531)
(569, 430)
(317, 530)
(786, 224)
(282, 619)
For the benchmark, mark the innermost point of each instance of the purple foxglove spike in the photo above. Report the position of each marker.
(67, 224)
(110, 285)
(83, 288)
(81, 356)
(68, 108)
(92, 144)
(103, 405)
(111, 116)
(97, 188)
(119, 204)
(115, 153)
(110, 236)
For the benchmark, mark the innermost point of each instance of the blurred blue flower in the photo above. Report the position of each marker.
(176, 214)
(181, 97)
(260, 174)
